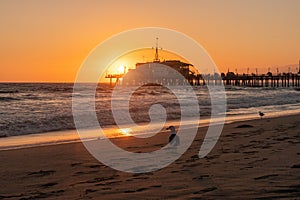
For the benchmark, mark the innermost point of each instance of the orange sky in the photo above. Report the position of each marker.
(46, 41)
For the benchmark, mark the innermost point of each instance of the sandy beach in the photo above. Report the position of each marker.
(256, 159)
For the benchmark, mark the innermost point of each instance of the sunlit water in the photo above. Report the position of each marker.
(43, 107)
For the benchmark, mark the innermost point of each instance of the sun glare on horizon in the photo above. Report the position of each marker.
(128, 61)
(121, 69)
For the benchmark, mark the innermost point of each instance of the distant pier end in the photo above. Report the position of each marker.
(112, 77)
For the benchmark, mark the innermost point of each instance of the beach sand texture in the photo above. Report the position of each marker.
(257, 159)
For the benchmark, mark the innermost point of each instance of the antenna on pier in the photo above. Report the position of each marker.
(299, 67)
(156, 58)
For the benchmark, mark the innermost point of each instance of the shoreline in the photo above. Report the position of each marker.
(71, 136)
(254, 159)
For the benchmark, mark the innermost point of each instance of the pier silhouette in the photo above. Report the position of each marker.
(146, 75)
(151, 73)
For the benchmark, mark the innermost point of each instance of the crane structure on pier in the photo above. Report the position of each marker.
(156, 57)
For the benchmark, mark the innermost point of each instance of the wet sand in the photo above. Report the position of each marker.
(257, 159)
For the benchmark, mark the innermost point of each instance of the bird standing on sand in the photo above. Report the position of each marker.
(173, 138)
(261, 114)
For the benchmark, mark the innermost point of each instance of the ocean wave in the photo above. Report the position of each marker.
(4, 99)
(36, 108)
(8, 91)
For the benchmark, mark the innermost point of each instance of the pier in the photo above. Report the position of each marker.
(229, 79)
(268, 80)
(150, 73)
(112, 77)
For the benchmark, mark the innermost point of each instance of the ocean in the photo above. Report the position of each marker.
(29, 108)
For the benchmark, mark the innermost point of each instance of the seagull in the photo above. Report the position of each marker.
(261, 114)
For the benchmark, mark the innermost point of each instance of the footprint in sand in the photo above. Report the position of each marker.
(41, 173)
(156, 186)
(209, 189)
(46, 185)
(137, 190)
(296, 166)
(94, 166)
(85, 172)
(265, 176)
(42, 195)
(90, 191)
(75, 164)
(244, 126)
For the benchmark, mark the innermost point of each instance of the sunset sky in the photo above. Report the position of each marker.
(47, 40)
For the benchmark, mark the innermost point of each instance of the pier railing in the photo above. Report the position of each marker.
(230, 79)
(268, 80)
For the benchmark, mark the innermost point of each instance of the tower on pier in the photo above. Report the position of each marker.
(156, 57)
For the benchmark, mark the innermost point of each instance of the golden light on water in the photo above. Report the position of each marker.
(126, 131)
